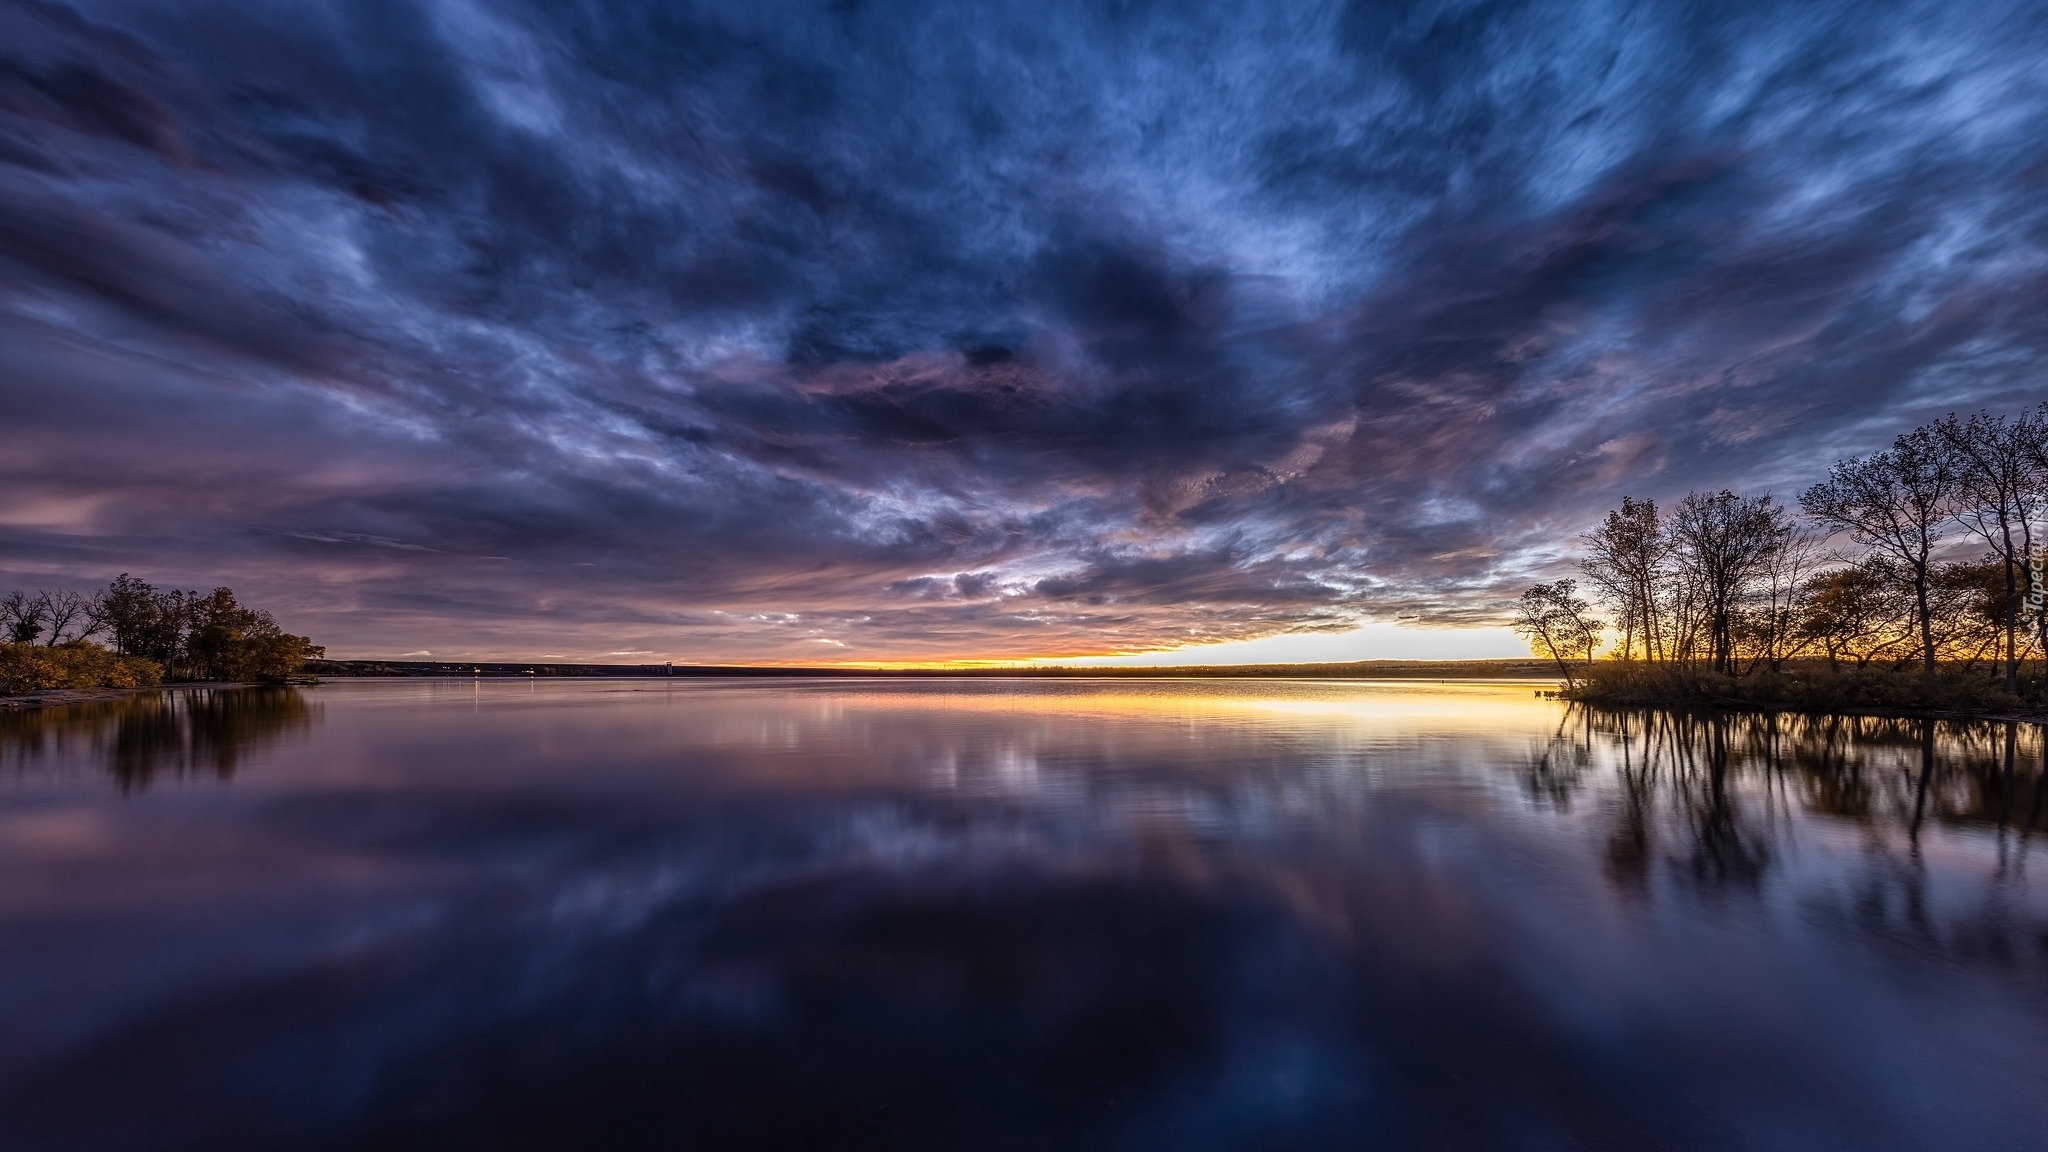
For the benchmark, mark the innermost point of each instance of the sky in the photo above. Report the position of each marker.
(858, 331)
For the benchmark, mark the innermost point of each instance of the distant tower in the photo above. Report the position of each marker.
(671, 668)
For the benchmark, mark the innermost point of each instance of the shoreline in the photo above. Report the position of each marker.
(65, 697)
(1885, 695)
(1754, 706)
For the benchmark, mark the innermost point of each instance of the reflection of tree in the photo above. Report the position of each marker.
(1679, 765)
(1554, 774)
(1871, 770)
(1725, 851)
(1712, 798)
(191, 732)
(1628, 846)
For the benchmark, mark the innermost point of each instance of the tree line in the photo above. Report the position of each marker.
(1923, 555)
(187, 634)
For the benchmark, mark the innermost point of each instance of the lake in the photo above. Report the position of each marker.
(989, 914)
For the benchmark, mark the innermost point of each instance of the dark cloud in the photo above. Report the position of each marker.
(796, 330)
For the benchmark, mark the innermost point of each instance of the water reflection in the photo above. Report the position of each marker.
(1717, 801)
(1021, 916)
(1868, 770)
(176, 733)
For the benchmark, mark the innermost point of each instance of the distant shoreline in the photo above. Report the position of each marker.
(1352, 670)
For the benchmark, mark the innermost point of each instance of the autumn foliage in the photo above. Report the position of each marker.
(152, 634)
(76, 664)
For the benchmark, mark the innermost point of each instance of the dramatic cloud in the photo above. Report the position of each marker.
(860, 330)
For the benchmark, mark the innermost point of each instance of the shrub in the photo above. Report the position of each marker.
(33, 668)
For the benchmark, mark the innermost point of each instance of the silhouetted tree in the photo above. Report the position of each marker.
(1862, 612)
(1970, 612)
(1558, 623)
(2000, 483)
(1626, 564)
(1770, 623)
(144, 621)
(1898, 502)
(21, 617)
(70, 616)
(1724, 542)
(227, 641)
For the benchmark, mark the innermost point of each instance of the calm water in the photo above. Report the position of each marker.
(988, 915)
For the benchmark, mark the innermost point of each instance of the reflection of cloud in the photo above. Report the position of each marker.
(500, 326)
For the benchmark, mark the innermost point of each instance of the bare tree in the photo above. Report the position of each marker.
(70, 615)
(1793, 554)
(1863, 612)
(1626, 561)
(1898, 502)
(1724, 542)
(1999, 490)
(21, 617)
(1557, 622)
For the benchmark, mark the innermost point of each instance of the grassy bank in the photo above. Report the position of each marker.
(1810, 687)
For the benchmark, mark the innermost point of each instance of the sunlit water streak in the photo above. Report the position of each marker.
(989, 914)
